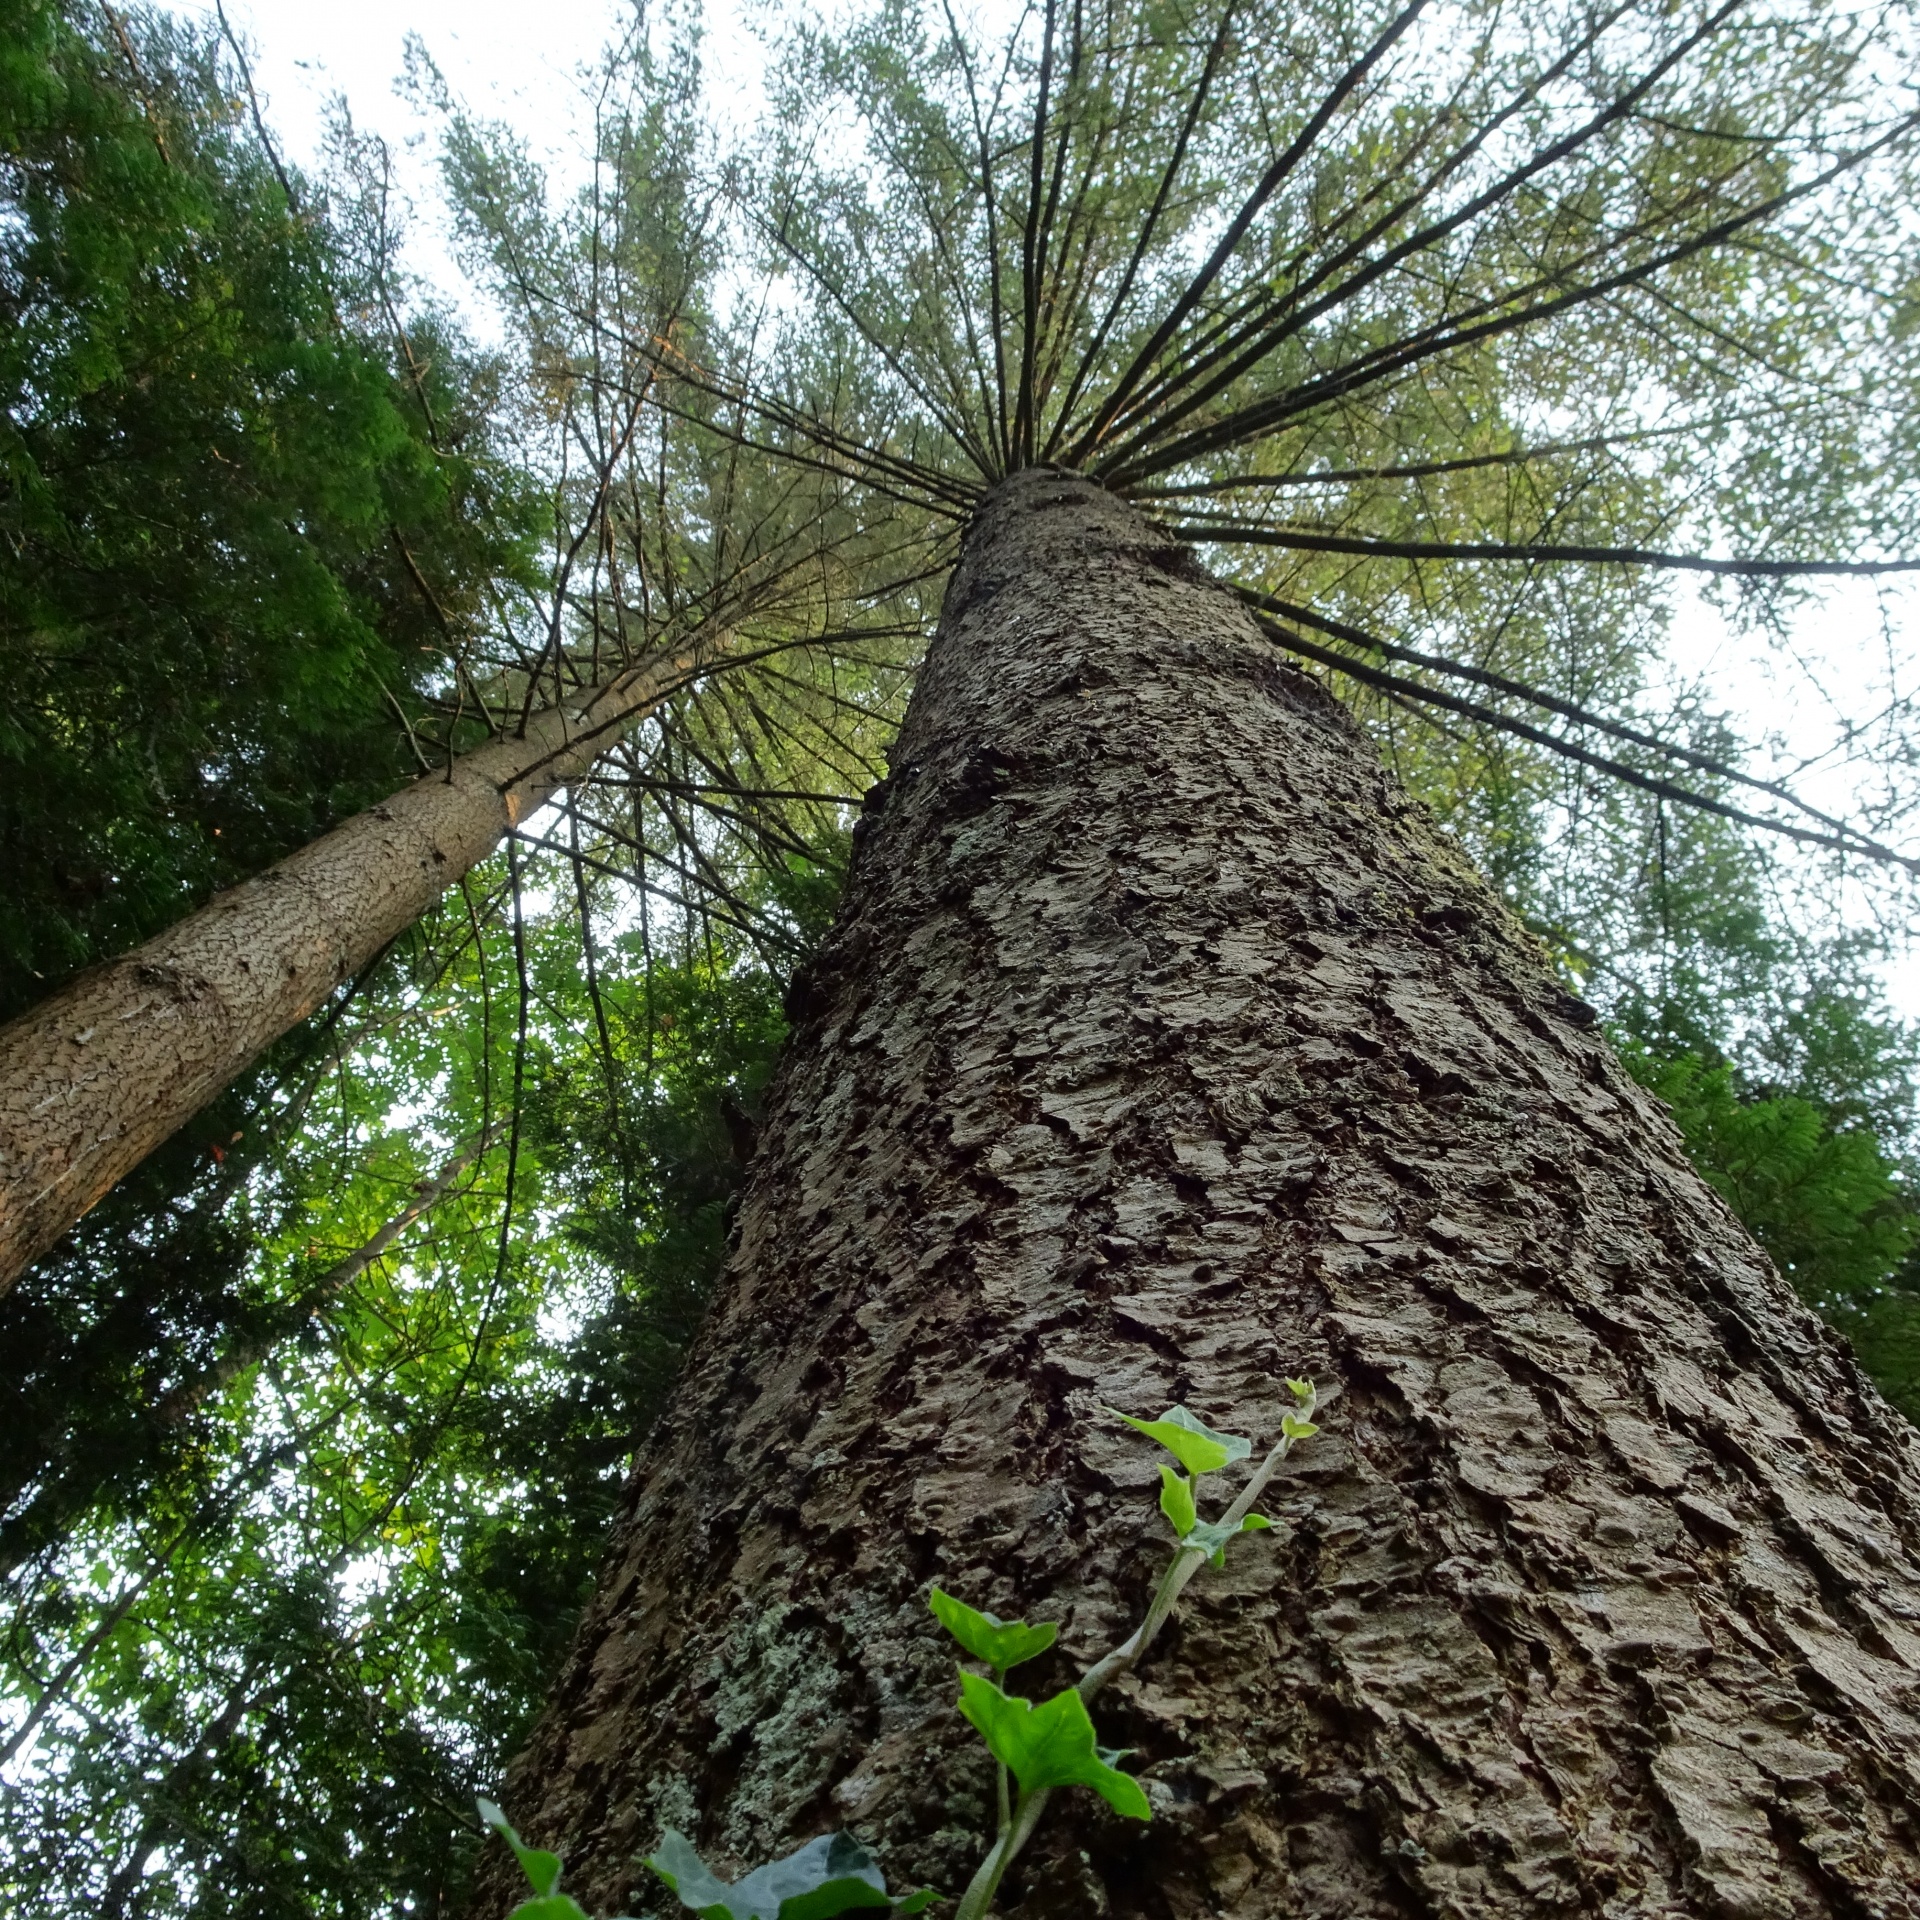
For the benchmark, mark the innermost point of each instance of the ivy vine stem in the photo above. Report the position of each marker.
(1183, 1566)
(977, 1902)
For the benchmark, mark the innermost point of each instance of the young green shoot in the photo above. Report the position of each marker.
(1053, 1744)
(1037, 1746)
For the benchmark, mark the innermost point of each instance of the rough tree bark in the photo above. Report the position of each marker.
(103, 1070)
(1164, 1048)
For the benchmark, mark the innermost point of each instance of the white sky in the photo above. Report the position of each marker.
(520, 63)
(516, 60)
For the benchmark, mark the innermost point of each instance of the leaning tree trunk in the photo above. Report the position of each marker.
(99, 1073)
(1164, 1048)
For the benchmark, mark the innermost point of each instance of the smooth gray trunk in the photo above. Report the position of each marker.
(1164, 1048)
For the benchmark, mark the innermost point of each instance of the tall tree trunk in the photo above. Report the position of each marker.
(1164, 1048)
(101, 1072)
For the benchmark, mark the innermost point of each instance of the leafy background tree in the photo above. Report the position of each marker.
(358, 1512)
(292, 1555)
(243, 508)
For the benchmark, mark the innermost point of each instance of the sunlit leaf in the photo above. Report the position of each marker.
(999, 1643)
(1190, 1440)
(1049, 1745)
(552, 1906)
(1176, 1501)
(541, 1868)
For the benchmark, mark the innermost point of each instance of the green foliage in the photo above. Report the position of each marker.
(1819, 1191)
(1201, 1450)
(1820, 1196)
(1176, 1501)
(542, 1869)
(1048, 1744)
(1211, 1536)
(1191, 1441)
(1794, 1087)
(426, 1459)
(245, 507)
(353, 1565)
(819, 1881)
(999, 1644)
(239, 520)
(1051, 1743)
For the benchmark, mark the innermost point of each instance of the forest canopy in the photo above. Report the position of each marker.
(1449, 339)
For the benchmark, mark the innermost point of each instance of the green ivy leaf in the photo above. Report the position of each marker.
(542, 1869)
(691, 1878)
(1190, 1440)
(829, 1876)
(1213, 1537)
(1302, 1390)
(1176, 1501)
(1297, 1429)
(552, 1906)
(1049, 1745)
(1000, 1643)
